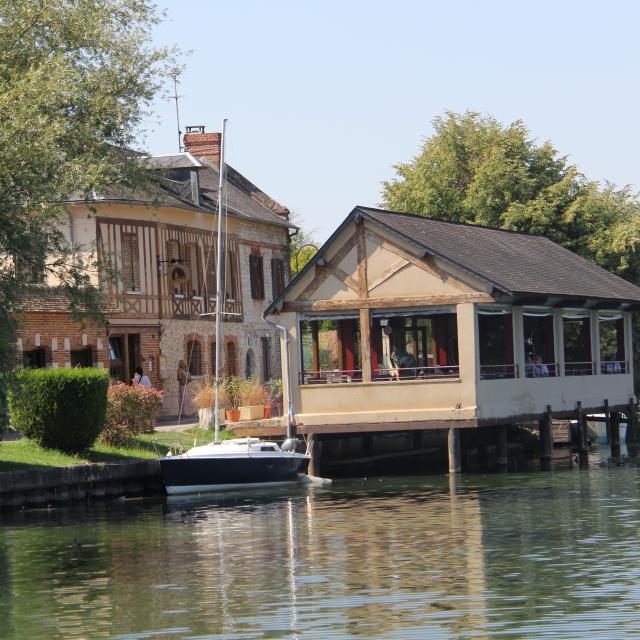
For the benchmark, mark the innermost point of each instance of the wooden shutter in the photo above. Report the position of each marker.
(253, 260)
(210, 277)
(277, 277)
(260, 278)
(130, 262)
(266, 359)
(231, 360)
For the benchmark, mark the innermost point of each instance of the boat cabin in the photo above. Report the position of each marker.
(402, 322)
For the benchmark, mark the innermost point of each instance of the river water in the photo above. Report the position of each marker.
(537, 555)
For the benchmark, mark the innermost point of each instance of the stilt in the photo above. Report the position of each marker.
(583, 451)
(315, 452)
(546, 440)
(631, 438)
(454, 450)
(607, 420)
(615, 437)
(502, 446)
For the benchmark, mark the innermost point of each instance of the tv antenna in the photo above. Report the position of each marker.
(176, 97)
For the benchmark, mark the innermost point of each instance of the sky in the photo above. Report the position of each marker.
(324, 97)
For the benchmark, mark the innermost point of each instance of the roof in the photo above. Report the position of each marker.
(170, 186)
(56, 300)
(514, 264)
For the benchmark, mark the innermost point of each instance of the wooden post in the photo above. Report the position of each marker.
(615, 436)
(315, 453)
(583, 452)
(546, 439)
(502, 445)
(455, 465)
(607, 420)
(632, 425)
(365, 345)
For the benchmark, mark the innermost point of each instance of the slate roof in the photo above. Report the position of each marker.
(171, 187)
(516, 263)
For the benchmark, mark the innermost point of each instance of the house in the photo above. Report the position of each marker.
(401, 322)
(155, 249)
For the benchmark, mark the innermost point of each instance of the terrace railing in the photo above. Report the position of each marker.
(330, 376)
(579, 368)
(609, 367)
(498, 371)
(542, 370)
(416, 373)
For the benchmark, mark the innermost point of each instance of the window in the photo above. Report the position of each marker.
(416, 344)
(249, 364)
(612, 347)
(82, 357)
(496, 344)
(231, 364)
(232, 293)
(576, 328)
(256, 275)
(178, 282)
(196, 284)
(330, 350)
(539, 351)
(32, 271)
(130, 262)
(34, 359)
(277, 276)
(194, 357)
(266, 358)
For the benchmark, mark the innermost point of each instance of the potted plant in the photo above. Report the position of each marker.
(230, 390)
(272, 396)
(205, 403)
(251, 400)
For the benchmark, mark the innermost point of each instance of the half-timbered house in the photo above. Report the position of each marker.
(155, 248)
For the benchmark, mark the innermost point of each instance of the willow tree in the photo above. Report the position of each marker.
(76, 79)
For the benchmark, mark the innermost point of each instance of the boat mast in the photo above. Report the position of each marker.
(219, 284)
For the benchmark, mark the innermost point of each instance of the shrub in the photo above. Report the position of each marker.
(59, 408)
(205, 398)
(130, 410)
(273, 392)
(251, 393)
(231, 392)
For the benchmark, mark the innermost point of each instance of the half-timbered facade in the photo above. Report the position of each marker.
(156, 257)
(401, 322)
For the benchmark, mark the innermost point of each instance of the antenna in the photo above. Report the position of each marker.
(176, 97)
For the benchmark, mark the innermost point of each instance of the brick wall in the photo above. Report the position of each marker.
(58, 334)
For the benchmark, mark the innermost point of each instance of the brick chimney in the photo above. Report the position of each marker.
(201, 144)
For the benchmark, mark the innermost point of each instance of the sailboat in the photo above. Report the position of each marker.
(243, 462)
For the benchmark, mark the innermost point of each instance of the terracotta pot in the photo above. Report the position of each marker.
(267, 412)
(233, 415)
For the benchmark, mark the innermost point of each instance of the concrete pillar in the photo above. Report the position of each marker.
(455, 465)
(615, 436)
(546, 439)
(502, 447)
(315, 452)
(583, 451)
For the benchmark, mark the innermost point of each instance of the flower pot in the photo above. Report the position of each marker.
(252, 412)
(267, 412)
(233, 415)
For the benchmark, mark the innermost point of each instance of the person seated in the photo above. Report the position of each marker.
(393, 366)
(407, 363)
(530, 369)
(541, 367)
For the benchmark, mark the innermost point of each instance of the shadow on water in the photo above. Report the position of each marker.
(522, 555)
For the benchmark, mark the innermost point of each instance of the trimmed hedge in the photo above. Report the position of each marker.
(59, 408)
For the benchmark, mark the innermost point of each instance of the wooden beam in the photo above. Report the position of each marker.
(343, 276)
(393, 268)
(377, 427)
(361, 245)
(386, 303)
(365, 344)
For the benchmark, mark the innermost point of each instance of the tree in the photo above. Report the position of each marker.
(474, 169)
(301, 249)
(76, 78)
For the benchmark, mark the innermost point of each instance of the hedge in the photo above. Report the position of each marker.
(59, 408)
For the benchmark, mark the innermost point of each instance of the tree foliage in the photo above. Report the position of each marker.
(474, 169)
(76, 78)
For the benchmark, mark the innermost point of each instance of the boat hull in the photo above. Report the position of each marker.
(199, 475)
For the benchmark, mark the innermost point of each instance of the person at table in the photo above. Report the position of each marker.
(540, 368)
(407, 363)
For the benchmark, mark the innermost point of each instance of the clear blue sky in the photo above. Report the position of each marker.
(324, 97)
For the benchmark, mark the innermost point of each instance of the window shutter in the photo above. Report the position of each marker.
(211, 273)
(252, 275)
(231, 364)
(277, 277)
(130, 262)
(260, 278)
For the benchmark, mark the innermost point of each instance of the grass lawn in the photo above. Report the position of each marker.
(26, 454)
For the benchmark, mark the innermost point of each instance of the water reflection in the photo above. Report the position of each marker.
(516, 556)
